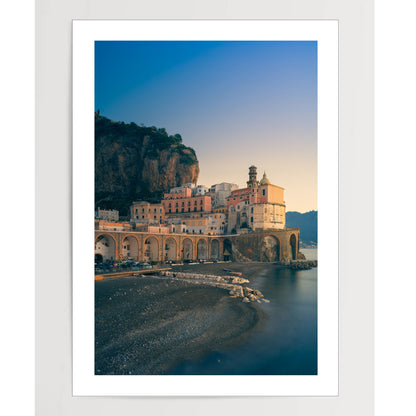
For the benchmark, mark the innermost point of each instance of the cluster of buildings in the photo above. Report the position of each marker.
(220, 209)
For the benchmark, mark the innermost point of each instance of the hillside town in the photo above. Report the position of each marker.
(220, 209)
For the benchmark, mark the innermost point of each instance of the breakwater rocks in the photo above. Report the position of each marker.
(231, 283)
(303, 264)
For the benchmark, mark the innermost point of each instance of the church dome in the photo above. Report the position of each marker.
(264, 180)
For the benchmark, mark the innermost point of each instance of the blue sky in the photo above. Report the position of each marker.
(235, 103)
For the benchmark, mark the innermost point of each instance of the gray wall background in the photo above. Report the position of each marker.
(53, 205)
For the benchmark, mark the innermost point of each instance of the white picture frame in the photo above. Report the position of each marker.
(86, 33)
(355, 112)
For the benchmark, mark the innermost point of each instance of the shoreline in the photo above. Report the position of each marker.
(149, 325)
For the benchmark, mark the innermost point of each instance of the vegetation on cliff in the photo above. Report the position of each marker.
(135, 162)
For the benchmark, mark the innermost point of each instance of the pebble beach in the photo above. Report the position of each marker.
(146, 325)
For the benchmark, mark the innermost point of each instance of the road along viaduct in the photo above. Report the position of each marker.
(264, 245)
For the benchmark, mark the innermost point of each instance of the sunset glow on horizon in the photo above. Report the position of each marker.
(236, 103)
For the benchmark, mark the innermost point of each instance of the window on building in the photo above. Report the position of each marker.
(251, 219)
(264, 192)
(137, 217)
(142, 217)
(155, 210)
(251, 209)
(201, 209)
(136, 210)
(170, 211)
(176, 209)
(142, 210)
(170, 204)
(154, 217)
(183, 210)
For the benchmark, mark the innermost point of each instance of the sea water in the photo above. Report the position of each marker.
(284, 342)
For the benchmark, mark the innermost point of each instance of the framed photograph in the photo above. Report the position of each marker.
(212, 252)
(202, 275)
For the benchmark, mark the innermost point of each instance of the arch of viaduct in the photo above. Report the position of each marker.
(265, 245)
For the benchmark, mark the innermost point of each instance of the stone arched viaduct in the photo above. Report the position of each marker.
(265, 245)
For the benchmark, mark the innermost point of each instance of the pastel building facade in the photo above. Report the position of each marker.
(191, 223)
(196, 225)
(221, 209)
(180, 189)
(217, 224)
(199, 190)
(199, 223)
(182, 202)
(177, 228)
(259, 206)
(143, 212)
(112, 225)
(107, 214)
(153, 229)
(219, 193)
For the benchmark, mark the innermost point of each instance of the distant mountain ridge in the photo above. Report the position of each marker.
(308, 224)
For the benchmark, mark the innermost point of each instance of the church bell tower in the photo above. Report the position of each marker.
(252, 177)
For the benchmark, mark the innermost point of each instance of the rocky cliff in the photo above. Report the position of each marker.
(138, 163)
